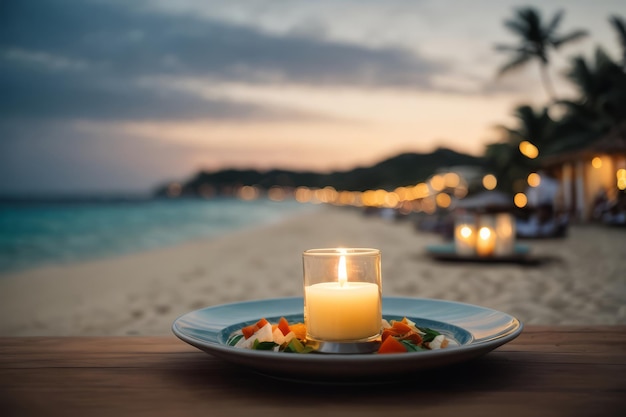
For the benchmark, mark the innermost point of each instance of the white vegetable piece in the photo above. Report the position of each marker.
(438, 342)
(264, 334)
(245, 343)
(278, 336)
(289, 336)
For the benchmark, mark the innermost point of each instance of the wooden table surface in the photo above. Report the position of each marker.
(546, 371)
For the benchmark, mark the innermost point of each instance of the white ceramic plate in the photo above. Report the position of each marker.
(478, 330)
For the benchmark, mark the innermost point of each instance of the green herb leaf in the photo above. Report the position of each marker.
(234, 340)
(411, 347)
(429, 335)
(263, 345)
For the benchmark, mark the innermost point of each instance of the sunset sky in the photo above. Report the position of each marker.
(110, 96)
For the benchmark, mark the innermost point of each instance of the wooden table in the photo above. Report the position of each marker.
(547, 371)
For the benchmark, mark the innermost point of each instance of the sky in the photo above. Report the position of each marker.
(118, 96)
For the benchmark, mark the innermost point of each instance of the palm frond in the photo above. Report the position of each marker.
(580, 74)
(518, 27)
(570, 37)
(515, 63)
(620, 26)
(532, 19)
(554, 23)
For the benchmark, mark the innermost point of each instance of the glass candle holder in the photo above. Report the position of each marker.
(486, 238)
(343, 299)
(505, 234)
(465, 235)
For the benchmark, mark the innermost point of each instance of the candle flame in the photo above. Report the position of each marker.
(466, 232)
(342, 272)
(484, 233)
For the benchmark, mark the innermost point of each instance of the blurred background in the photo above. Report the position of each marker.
(403, 106)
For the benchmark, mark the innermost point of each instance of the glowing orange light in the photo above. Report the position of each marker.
(490, 181)
(443, 200)
(621, 178)
(276, 193)
(248, 192)
(533, 179)
(391, 200)
(437, 183)
(520, 200)
(303, 195)
(420, 191)
(528, 149)
(596, 162)
(452, 180)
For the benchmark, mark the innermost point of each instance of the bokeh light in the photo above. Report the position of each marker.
(533, 179)
(528, 149)
(437, 183)
(443, 200)
(490, 182)
(596, 162)
(621, 178)
(520, 200)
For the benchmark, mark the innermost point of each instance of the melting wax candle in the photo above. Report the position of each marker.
(343, 308)
(486, 241)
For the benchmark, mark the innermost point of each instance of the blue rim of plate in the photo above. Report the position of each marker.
(478, 330)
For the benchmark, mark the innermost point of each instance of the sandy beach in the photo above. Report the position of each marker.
(583, 280)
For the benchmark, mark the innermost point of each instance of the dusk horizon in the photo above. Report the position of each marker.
(112, 97)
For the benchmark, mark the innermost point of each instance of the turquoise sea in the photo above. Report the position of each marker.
(42, 233)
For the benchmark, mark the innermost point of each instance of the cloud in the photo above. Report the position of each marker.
(80, 59)
(56, 156)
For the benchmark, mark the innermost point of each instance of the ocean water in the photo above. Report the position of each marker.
(36, 234)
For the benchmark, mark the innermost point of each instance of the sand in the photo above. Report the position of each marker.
(583, 280)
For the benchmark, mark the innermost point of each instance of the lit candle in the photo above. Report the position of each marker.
(505, 234)
(465, 239)
(340, 308)
(486, 242)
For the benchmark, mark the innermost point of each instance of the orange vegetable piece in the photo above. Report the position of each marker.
(400, 327)
(389, 332)
(392, 345)
(414, 338)
(299, 329)
(248, 331)
(283, 325)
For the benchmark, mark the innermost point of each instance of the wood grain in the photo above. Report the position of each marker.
(546, 371)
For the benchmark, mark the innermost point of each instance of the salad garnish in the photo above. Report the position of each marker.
(398, 336)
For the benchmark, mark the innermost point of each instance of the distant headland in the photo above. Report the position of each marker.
(401, 170)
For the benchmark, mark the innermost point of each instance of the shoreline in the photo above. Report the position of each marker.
(143, 293)
(107, 245)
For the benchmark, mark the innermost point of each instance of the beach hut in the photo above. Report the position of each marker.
(590, 176)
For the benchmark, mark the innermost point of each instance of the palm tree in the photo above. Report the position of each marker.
(601, 105)
(533, 126)
(505, 159)
(536, 39)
